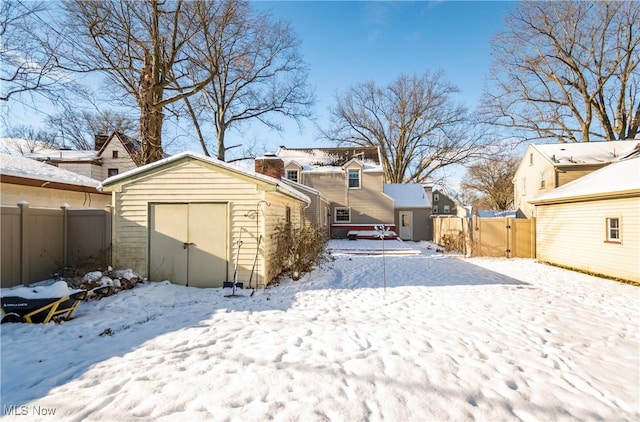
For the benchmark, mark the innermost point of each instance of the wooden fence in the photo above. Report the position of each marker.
(497, 237)
(36, 243)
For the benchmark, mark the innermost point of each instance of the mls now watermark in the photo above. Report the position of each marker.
(13, 410)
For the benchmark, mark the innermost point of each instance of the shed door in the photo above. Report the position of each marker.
(188, 244)
(406, 225)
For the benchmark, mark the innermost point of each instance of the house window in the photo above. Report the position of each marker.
(543, 183)
(112, 172)
(292, 175)
(447, 209)
(435, 209)
(524, 186)
(354, 179)
(531, 159)
(613, 230)
(287, 215)
(343, 215)
(114, 154)
(436, 197)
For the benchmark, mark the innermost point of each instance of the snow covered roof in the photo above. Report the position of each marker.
(26, 168)
(63, 155)
(210, 160)
(585, 153)
(409, 195)
(330, 159)
(618, 178)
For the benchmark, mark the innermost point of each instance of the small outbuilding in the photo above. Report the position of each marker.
(411, 209)
(593, 223)
(193, 220)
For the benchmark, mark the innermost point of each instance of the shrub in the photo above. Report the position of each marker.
(298, 250)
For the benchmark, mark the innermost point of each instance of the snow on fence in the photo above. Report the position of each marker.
(497, 237)
(38, 242)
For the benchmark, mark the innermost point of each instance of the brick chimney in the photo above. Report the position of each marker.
(270, 165)
(100, 140)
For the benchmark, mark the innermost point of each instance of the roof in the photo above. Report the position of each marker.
(330, 159)
(26, 168)
(131, 145)
(64, 155)
(139, 171)
(587, 153)
(617, 179)
(409, 195)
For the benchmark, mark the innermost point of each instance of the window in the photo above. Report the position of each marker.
(524, 186)
(436, 197)
(447, 209)
(543, 183)
(613, 230)
(435, 209)
(288, 215)
(354, 179)
(292, 175)
(530, 159)
(112, 172)
(343, 215)
(114, 154)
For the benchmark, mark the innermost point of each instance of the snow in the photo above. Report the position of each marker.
(407, 195)
(449, 338)
(19, 166)
(55, 289)
(319, 160)
(581, 153)
(619, 177)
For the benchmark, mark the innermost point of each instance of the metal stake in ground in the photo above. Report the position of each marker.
(235, 270)
(382, 232)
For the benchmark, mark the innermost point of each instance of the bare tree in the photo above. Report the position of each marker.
(146, 49)
(80, 127)
(260, 75)
(27, 139)
(413, 121)
(29, 63)
(490, 182)
(568, 70)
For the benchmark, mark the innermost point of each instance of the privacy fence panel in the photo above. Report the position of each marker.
(496, 237)
(39, 242)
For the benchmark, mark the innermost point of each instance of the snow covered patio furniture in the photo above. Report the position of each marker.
(35, 310)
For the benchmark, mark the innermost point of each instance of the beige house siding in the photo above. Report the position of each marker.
(123, 163)
(528, 180)
(88, 169)
(574, 234)
(51, 198)
(565, 175)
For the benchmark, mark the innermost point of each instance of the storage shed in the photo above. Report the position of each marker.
(190, 219)
(593, 223)
(412, 209)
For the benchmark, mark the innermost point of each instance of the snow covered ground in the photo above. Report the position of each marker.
(449, 338)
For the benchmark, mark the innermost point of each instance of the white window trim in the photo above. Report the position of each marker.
(446, 209)
(296, 171)
(608, 237)
(436, 197)
(543, 181)
(435, 209)
(335, 214)
(359, 178)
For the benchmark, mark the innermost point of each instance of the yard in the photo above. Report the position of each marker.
(439, 338)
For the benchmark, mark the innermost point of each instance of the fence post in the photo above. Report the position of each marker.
(24, 247)
(65, 229)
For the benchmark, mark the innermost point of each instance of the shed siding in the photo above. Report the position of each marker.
(187, 182)
(573, 235)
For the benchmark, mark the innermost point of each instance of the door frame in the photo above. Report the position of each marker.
(400, 226)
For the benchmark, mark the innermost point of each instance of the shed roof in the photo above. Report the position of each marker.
(166, 162)
(28, 169)
(617, 179)
(407, 195)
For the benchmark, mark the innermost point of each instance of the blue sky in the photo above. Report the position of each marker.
(346, 43)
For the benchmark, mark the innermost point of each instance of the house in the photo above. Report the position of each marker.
(112, 155)
(593, 223)
(444, 205)
(412, 209)
(42, 185)
(194, 220)
(547, 166)
(352, 180)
